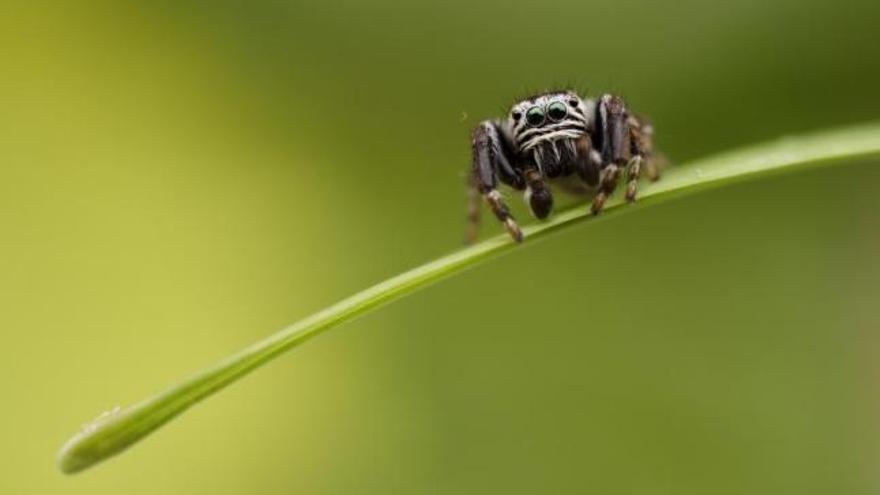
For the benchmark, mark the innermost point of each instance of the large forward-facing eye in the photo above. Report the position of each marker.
(535, 116)
(557, 111)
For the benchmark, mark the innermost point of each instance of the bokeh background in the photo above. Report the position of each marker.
(181, 178)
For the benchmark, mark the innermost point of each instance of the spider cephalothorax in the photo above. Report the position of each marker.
(550, 119)
(557, 134)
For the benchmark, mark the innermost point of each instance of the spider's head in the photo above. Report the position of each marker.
(548, 117)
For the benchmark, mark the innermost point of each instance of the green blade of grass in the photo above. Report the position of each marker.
(113, 432)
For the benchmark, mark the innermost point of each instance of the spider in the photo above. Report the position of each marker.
(585, 143)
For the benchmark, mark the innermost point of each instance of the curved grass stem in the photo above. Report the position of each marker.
(113, 432)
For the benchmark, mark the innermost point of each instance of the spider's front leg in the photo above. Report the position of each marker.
(626, 145)
(491, 163)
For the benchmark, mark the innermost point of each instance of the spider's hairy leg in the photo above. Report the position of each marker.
(614, 134)
(643, 137)
(607, 184)
(655, 165)
(491, 164)
(473, 211)
(502, 212)
(633, 172)
(587, 161)
(642, 148)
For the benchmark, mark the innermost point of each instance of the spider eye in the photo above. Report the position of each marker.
(573, 102)
(557, 111)
(535, 116)
(516, 116)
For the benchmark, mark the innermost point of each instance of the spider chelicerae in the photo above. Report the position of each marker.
(586, 144)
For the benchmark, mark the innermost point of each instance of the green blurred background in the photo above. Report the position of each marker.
(179, 179)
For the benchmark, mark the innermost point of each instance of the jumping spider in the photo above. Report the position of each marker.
(558, 134)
